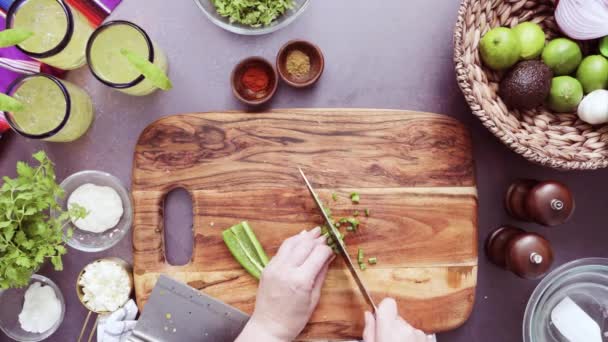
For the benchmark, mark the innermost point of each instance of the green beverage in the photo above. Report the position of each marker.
(111, 67)
(60, 33)
(54, 110)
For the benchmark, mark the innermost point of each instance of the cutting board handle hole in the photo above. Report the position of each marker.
(179, 236)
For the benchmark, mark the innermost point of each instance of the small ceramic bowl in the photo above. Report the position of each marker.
(11, 302)
(317, 63)
(96, 242)
(246, 95)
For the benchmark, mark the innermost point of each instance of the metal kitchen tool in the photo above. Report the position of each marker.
(80, 293)
(341, 247)
(177, 312)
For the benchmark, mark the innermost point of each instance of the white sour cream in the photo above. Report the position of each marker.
(103, 205)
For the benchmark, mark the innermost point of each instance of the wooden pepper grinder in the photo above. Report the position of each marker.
(528, 255)
(547, 203)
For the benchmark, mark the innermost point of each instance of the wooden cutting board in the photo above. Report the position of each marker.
(414, 172)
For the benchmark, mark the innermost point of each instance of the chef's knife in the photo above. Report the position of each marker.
(341, 247)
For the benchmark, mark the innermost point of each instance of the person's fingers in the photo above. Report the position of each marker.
(301, 251)
(315, 262)
(404, 322)
(388, 309)
(315, 232)
(369, 332)
(288, 245)
(386, 316)
(316, 290)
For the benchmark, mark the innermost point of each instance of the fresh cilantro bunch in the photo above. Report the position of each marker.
(255, 13)
(29, 234)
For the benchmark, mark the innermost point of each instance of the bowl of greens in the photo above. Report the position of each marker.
(252, 17)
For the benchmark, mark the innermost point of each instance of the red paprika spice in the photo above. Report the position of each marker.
(255, 79)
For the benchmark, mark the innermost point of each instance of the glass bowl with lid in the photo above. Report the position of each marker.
(208, 7)
(11, 304)
(585, 282)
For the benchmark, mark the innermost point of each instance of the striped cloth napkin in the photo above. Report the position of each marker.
(13, 62)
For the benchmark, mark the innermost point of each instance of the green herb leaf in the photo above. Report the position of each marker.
(254, 13)
(14, 36)
(10, 104)
(28, 233)
(150, 71)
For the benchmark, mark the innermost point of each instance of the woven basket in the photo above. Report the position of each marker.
(560, 141)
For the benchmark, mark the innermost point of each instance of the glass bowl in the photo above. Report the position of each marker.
(11, 302)
(585, 281)
(97, 242)
(287, 18)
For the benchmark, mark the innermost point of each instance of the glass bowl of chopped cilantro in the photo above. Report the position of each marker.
(252, 17)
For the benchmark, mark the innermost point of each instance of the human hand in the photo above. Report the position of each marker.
(290, 288)
(388, 326)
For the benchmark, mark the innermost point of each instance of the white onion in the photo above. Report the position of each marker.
(583, 19)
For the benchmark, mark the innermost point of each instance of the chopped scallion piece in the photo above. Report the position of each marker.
(362, 266)
(356, 213)
(355, 198)
(366, 212)
(360, 256)
(372, 261)
(334, 196)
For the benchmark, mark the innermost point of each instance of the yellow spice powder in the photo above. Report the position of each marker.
(298, 63)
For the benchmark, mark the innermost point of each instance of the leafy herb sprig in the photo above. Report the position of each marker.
(254, 13)
(29, 234)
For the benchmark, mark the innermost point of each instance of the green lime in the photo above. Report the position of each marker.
(566, 93)
(150, 71)
(13, 37)
(532, 39)
(10, 104)
(593, 73)
(562, 55)
(500, 48)
(604, 46)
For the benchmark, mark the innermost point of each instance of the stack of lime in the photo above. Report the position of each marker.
(573, 74)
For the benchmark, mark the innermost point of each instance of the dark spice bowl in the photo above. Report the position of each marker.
(246, 95)
(317, 63)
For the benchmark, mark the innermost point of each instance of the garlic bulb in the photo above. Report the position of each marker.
(593, 108)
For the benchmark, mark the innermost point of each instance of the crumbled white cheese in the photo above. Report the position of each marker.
(106, 286)
(103, 205)
(41, 309)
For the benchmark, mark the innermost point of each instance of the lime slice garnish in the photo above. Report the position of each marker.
(13, 36)
(604, 46)
(10, 104)
(150, 71)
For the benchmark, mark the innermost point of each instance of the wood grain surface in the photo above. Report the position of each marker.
(414, 172)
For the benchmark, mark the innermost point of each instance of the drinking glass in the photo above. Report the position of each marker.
(60, 33)
(112, 68)
(54, 110)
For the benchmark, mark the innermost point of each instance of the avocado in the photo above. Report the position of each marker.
(526, 85)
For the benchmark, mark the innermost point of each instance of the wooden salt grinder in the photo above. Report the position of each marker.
(547, 203)
(528, 255)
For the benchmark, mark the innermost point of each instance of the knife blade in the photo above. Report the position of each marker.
(341, 247)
